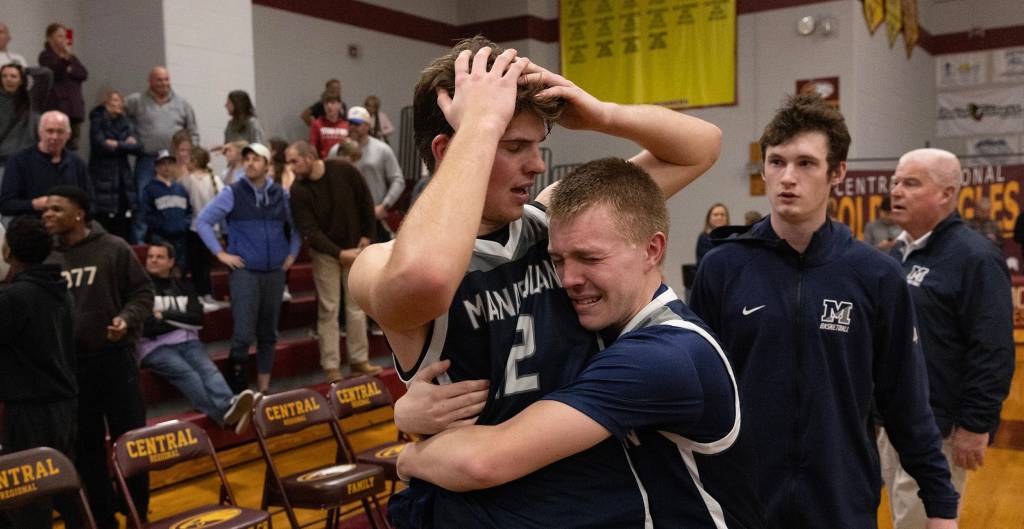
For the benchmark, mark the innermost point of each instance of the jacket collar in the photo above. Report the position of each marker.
(826, 244)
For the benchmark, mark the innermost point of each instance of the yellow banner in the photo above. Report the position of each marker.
(874, 14)
(910, 29)
(893, 20)
(677, 53)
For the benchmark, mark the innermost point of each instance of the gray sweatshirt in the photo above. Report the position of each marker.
(156, 123)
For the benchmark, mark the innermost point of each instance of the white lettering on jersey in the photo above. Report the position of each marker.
(162, 303)
(75, 276)
(835, 315)
(171, 202)
(495, 305)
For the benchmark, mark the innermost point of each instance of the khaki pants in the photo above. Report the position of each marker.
(907, 509)
(331, 279)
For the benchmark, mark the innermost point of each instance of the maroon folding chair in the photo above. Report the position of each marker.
(327, 487)
(37, 473)
(354, 396)
(163, 446)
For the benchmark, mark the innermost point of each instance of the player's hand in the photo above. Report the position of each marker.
(231, 261)
(940, 523)
(969, 448)
(427, 408)
(583, 111)
(489, 96)
(117, 329)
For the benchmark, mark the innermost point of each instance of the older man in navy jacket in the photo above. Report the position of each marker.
(961, 291)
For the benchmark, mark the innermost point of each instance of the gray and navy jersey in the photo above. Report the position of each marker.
(512, 323)
(665, 389)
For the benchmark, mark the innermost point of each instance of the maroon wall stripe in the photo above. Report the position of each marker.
(393, 22)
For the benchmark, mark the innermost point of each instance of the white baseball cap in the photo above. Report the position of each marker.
(358, 115)
(257, 148)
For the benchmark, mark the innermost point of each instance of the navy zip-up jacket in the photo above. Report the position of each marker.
(962, 295)
(30, 173)
(260, 224)
(815, 339)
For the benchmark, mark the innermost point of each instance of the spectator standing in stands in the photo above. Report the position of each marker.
(113, 297)
(157, 114)
(380, 124)
(37, 358)
(68, 76)
(716, 217)
(7, 56)
(983, 223)
(170, 346)
(316, 110)
(334, 212)
(243, 124)
(961, 291)
(112, 138)
(379, 168)
(165, 206)
(202, 185)
(329, 130)
(279, 170)
(260, 249)
(235, 164)
(882, 232)
(821, 337)
(17, 121)
(35, 169)
(750, 217)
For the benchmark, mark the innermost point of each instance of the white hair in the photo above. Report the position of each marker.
(943, 166)
(57, 115)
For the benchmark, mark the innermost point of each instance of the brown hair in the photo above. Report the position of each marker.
(707, 216)
(808, 113)
(54, 27)
(179, 137)
(429, 121)
(637, 202)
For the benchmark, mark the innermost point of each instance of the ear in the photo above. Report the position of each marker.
(839, 174)
(655, 250)
(439, 146)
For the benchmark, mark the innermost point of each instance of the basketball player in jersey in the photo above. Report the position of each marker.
(469, 280)
(662, 386)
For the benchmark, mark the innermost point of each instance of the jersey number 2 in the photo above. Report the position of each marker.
(525, 348)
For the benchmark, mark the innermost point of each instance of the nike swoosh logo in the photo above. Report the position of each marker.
(748, 312)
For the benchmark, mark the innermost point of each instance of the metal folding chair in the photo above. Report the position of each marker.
(37, 473)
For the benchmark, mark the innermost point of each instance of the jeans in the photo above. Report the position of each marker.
(145, 169)
(255, 307)
(198, 259)
(189, 368)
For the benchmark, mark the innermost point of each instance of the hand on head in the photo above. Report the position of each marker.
(482, 94)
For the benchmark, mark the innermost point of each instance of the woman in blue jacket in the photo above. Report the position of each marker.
(112, 138)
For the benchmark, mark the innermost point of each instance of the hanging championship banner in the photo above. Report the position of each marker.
(981, 112)
(874, 14)
(960, 69)
(893, 20)
(910, 29)
(1008, 65)
(677, 53)
(993, 150)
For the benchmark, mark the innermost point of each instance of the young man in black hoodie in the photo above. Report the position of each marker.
(37, 357)
(113, 297)
(170, 345)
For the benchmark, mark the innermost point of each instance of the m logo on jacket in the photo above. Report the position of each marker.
(916, 275)
(835, 315)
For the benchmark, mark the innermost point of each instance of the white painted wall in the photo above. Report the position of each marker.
(209, 48)
(953, 16)
(27, 20)
(446, 11)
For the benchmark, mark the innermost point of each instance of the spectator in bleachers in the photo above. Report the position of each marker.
(379, 168)
(279, 170)
(170, 346)
(380, 124)
(317, 110)
(181, 149)
(882, 232)
(235, 169)
(112, 138)
(37, 358)
(7, 56)
(157, 114)
(243, 124)
(113, 297)
(68, 76)
(982, 222)
(165, 206)
(334, 212)
(34, 169)
(260, 249)
(17, 121)
(202, 185)
(750, 217)
(331, 128)
(716, 217)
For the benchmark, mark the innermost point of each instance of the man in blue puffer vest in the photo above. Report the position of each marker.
(262, 246)
(820, 330)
